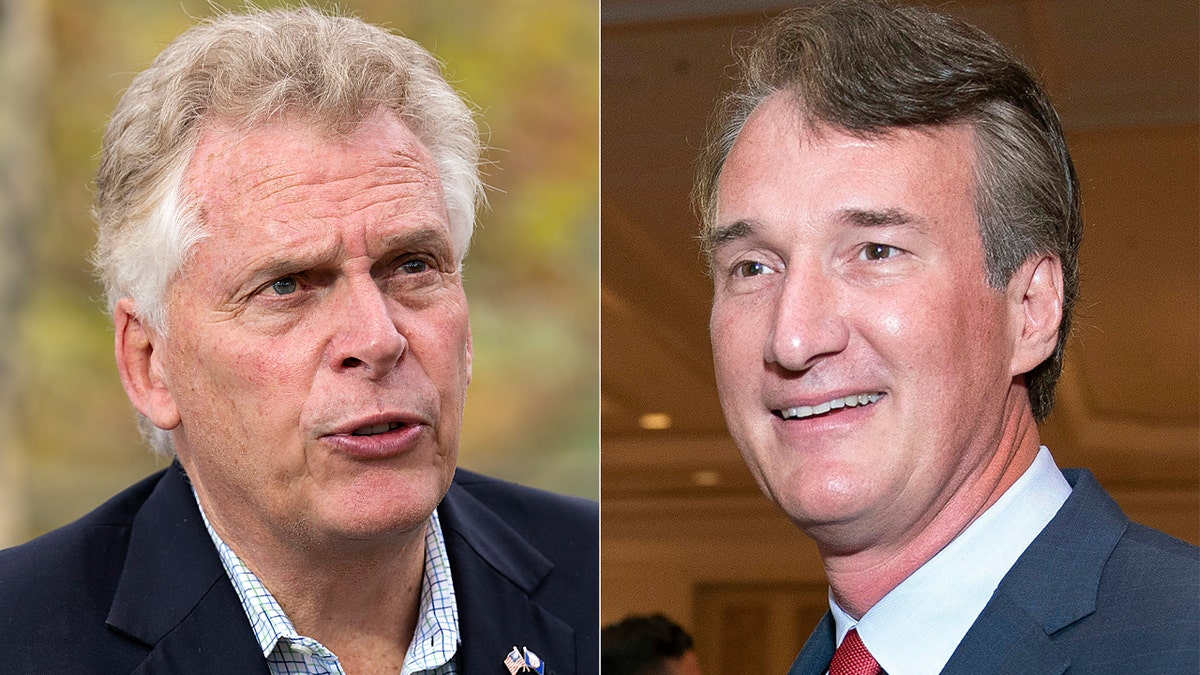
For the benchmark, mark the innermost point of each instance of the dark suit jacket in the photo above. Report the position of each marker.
(1094, 593)
(136, 586)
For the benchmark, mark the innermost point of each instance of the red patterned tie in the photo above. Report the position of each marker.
(852, 657)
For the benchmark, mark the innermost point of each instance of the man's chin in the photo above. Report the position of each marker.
(387, 527)
(382, 505)
(818, 504)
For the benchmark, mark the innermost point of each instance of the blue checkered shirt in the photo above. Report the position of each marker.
(433, 645)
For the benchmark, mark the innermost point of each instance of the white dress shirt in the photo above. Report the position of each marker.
(915, 628)
(431, 650)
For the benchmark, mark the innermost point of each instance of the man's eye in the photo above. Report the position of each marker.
(415, 266)
(285, 286)
(875, 251)
(750, 268)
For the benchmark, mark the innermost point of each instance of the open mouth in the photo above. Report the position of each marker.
(375, 429)
(805, 411)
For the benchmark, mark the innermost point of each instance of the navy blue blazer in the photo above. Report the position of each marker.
(136, 586)
(1094, 593)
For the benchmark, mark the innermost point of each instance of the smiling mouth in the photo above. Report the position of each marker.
(377, 429)
(805, 411)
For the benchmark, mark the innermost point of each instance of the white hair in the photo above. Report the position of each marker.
(243, 70)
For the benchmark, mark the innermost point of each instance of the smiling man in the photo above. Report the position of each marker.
(893, 223)
(285, 199)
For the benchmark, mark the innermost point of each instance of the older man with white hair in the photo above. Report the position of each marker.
(284, 201)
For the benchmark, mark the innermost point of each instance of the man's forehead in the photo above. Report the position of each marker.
(778, 139)
(250, 157)
(782, 117)
(782, 167)
(284, 183)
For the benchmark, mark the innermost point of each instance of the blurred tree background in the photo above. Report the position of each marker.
(67, 435)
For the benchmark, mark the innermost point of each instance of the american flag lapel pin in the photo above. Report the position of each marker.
(514, 661)
(521, 660)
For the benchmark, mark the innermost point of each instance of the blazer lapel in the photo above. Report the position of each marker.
(1004, 639)
(814, 658)
(1052, 585)
(174, 596)
(496, 574)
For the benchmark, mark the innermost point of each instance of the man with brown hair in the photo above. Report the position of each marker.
(892, 220)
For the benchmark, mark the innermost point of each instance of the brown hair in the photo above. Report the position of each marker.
(869, 66)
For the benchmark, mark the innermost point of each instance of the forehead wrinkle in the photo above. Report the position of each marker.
(416, 157)
(403, 195)
(240, 167)
(269, 179)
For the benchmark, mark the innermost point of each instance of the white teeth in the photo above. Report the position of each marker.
(851, 401)
(377, 429)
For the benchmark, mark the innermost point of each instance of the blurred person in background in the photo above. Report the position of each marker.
(893, 225)
(647, 645)
(284, 201)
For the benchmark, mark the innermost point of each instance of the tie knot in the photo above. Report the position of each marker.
(852, 657)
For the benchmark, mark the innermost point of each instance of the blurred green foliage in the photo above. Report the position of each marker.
(529, 66)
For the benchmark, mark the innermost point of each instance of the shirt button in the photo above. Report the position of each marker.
(301, 649)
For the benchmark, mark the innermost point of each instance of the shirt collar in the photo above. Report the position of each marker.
(434, 642)
(436, 638)
(914, 628)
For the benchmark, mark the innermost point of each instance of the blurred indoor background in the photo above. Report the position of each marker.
(685, 530)
(67, 436)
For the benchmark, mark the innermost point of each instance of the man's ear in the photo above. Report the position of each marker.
(1035, 296)
(139, 361)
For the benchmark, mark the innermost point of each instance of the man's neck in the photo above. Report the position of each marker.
(861, 577)
(361, 600)
(366, 604)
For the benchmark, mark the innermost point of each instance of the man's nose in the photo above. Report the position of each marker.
(367, 337)
(808, 323)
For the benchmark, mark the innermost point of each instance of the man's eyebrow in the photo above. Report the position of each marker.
(286, 263)
(880, 218)
(431, 236)
(719, 236)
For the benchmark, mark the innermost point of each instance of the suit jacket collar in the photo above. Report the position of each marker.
(497, 572)
(173, 595)
(1013, 633)
(1052, 585)
(814, 658)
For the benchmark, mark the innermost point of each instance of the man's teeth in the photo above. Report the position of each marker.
(851, 401)
(377, 429)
